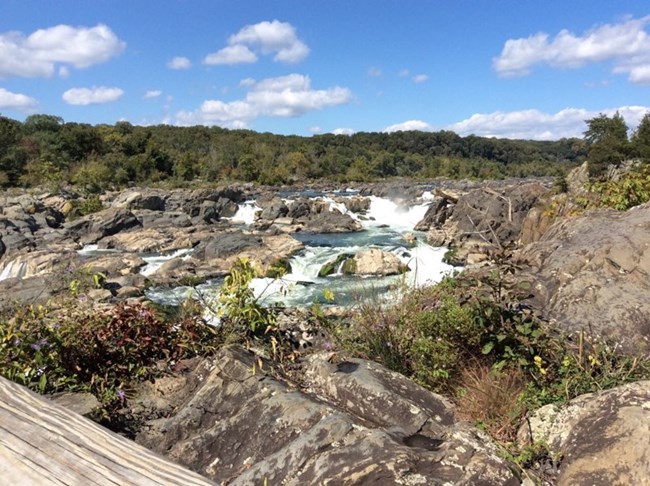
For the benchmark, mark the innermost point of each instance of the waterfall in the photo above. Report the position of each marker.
(386, 212)
(246, 213)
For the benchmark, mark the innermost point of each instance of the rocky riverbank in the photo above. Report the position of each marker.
(236, 419)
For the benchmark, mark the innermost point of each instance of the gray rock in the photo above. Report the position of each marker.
(600, 438)
(354, 423)
(593, 273)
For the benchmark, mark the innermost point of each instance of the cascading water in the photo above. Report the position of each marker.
(246, 213)
(385, 224)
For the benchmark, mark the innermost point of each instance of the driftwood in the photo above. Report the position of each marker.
(43, 443)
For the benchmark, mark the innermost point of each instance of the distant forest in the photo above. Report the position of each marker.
(45, 150)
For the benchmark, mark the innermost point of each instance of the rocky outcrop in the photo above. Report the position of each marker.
(599, 438)
(593, 273)
(353, 422)
(482, 219)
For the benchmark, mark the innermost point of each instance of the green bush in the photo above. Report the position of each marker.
(77, 347)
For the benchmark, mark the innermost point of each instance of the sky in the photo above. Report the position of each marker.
(498, 68)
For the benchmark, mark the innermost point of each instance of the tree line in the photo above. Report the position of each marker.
(46, 150)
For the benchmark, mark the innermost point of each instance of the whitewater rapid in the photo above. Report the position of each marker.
(385, 224)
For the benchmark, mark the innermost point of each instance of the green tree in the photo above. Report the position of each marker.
(607, 142)
(641, 139)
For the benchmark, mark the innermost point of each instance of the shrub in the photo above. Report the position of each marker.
(77, 347)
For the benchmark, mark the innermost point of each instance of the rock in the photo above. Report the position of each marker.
(140, 199)
(331, 222)
(577, 180)
(227, 244)
(112, 221)
(600, 438)
(274, 209)
(33, 264)
(378, 262)
(435, 216)
(115, 264)
(593, 273)
(166, 219)
(333, 266)
(368, 426)
(144, 241)
(31, 290)
(355, 204)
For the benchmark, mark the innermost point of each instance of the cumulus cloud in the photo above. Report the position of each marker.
(285, 96)
(267, 38)
(16, 101)
(420, 78)
(537, 125)
(344, 131)
(237, 54)
(39, 54)
(152, 93)
(179, 62)
(92, 96)
(625, 44)
(409, 125)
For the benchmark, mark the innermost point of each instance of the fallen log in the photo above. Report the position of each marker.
(43, 443)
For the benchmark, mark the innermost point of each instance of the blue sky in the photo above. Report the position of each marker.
(504, 68)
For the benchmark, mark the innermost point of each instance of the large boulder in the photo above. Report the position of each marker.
(378, 263)
(593, 273)
(112, 221)
(354, 423)
(140, 199)
(598, 438)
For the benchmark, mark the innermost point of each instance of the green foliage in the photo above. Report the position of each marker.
(629, 190)
(45, 150)
(77, 347)
(641, 140)
(89, 205)
(436, 334)
(607, 142)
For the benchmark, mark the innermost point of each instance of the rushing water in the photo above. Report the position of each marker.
(385, 224)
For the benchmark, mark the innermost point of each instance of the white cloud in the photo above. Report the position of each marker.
(92, 96)
(285, 96)
(374, 72)
(238, 54)
(420, 78)
(537, 125)
(38, 54)
(315, 129)
(152, 93)
(344, 131)
(267, 38)
(246, 83)
(179, 62)
(409, 125)
(16, 101)
(403, 73)
(625, 44)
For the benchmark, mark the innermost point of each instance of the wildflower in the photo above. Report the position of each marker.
(17, 341)
(121, 395)
(37, 346)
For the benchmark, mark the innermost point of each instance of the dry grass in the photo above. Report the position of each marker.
(491, 398)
